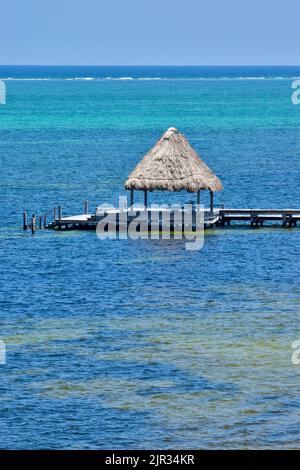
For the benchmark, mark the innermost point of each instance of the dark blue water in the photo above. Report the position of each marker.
(140, 344)
(142, 72)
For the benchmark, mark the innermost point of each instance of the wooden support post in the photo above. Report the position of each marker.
(198, 197)
(40, 222)
(25, 220)
(86, 207)
(54, 214)
(33, 223)
(211, 194)
(131, 197)
(45, 221)
(59, 213)
(145, 199)
(253, 220)
(284, 221)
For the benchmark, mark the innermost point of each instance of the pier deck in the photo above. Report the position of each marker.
(90, 221)
(217, 217)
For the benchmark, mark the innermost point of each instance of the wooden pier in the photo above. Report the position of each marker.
(171, 165)
(212, 218)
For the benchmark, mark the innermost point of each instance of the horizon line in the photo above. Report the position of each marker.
(149, 65)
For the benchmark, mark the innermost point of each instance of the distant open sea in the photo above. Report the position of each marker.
(142, 344)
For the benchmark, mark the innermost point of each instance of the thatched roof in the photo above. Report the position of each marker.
(172, 165)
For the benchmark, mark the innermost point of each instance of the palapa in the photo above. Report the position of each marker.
(172, 165)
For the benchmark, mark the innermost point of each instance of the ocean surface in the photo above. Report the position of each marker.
(142, 344)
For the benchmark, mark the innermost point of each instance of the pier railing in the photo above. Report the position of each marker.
(257, 217)
(40, 221)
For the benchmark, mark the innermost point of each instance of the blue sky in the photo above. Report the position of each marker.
(147, 32)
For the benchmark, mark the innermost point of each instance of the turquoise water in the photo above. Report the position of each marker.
(142, 344)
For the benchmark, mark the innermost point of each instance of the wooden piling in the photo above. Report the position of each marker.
(253, 220)
(86, 207)
(33, 223)
(59, 213)
(284, 219)
(25, 226)
(54, 214)
(211, 201)
(222, 220)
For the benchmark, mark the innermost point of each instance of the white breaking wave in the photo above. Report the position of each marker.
(84, 78)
